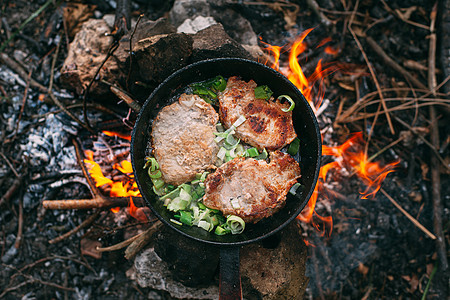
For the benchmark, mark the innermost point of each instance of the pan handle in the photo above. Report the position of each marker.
(230, 277)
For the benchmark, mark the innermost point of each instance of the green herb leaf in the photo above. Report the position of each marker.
(263, 92)
(294, 146)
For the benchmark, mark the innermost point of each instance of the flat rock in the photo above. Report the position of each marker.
(214, 42)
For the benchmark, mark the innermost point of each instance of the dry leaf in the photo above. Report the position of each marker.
(363, 269)
(89, 247)
(75, 14)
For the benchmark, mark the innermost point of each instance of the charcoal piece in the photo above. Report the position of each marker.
(161, 55)
(213, 42)
(191, 262)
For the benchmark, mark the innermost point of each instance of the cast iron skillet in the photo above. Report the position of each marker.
(305, 125)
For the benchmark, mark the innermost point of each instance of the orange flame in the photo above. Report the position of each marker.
(349, 156)
(118, 188)
(117, 134)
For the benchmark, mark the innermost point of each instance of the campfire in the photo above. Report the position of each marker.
(74, 223)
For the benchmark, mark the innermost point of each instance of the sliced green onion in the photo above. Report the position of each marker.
(236, 224)
(294, 188)
(288, 98)
(176, 222)
(203, 177)
(263, 92)
(294, 146)
(219, 83)
(251, 152)
(186, 217)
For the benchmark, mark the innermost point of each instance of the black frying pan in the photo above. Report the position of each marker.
(305, 125)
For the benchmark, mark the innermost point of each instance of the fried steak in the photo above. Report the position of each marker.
(266, 125)
(251, 189)
(183, 139)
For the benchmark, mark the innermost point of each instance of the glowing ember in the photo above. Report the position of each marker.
(349, 156)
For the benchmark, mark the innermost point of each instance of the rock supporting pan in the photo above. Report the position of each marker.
(305, 125)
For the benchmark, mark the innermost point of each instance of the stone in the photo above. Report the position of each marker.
(195, 25)
(276, 271)
(214, 42)
(236, 26)
(86, 52)
(89, 48)
(159, 56)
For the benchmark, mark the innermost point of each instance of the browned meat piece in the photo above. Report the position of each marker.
(251, 189)
(266, 125)
(183, 139)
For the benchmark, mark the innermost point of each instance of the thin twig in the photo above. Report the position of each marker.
(411, 218)
(435, 173)
(84, 224)
(19, 225)
(21, 72)
(131, 51)
(10, 165)
(111, 51)
(120, 245)
(28, 20)
(436, 152)
(24, 101)
(142, 240)
(391, 63)
(372, 72)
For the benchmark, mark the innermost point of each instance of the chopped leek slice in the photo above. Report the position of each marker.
(294, 146)
(221, 231)
(239, 121)
(263, 92)
(205, 225)
(222, 152)
(236, 224)
(177, 204)
(156, 174)
(292, 103)
(158, 183)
